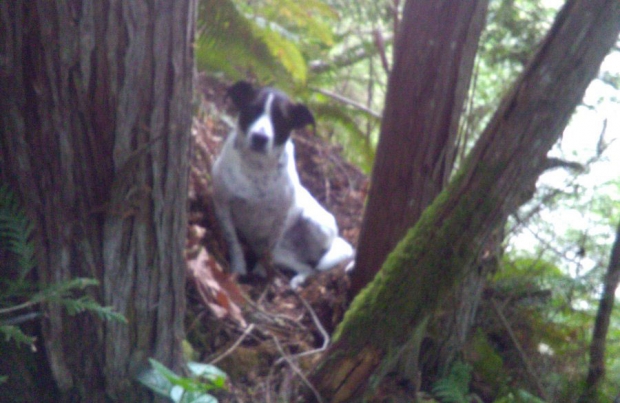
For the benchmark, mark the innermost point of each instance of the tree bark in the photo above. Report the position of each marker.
(95, 119)
(505, 163)
(433, 62)
(596, 368)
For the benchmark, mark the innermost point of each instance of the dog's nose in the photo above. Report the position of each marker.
(258, 141)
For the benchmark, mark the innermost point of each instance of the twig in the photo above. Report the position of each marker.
(14, 308)
(515, 341)
(234, 346)
(317, 323)
(296, 369)
(272, 316)
(349, 56)
(348, 101)
(380, 44)
(327, 190)
(20, 319)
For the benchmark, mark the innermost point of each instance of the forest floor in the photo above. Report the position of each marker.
(265, 336)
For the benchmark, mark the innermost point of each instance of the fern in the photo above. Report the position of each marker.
(229, 42)
(454, 387)
(15, 238)
(14, 333)
(15, 231)
(86, 303)
(269, 40)
(356, 147)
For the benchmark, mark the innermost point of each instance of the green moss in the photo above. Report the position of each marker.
(422, 268)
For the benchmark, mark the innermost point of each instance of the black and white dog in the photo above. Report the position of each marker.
(257, 193)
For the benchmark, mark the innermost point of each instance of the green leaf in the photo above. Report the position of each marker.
(196, 397)
(207, 371)
(163, 381)
(155, 381)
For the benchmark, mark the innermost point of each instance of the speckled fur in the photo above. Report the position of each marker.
(257, 193)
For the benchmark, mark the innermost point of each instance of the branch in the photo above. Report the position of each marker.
(348, 101)
(232, 348)
(348, 57)
(379, 42)
(319, 326)
(553, 163)
(528, 366)
(298, 371)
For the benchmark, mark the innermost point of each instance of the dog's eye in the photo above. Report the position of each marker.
(254, 111)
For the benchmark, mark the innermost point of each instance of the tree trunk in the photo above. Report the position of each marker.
(433, 62)
(596, 368)
(95, 119)
(506, 161)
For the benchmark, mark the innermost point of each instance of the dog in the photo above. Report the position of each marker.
(258, 196)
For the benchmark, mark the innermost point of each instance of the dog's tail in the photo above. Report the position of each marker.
(339, 252)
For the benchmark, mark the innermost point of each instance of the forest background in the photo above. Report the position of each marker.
(554, 255)
(559, 243)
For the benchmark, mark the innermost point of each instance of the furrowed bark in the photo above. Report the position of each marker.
(95, 120)
(433, 62)
(505, 162)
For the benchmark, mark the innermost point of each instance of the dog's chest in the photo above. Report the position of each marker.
(259, 204)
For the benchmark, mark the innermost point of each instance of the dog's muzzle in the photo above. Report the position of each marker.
(258, 142)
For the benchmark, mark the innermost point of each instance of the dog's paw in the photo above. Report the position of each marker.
(298, 280)
(349, 267)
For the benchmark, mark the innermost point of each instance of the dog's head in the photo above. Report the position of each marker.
(266, 116)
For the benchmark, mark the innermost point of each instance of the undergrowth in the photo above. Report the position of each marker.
(20, 296)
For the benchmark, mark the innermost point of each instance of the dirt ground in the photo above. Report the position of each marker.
(262, 334)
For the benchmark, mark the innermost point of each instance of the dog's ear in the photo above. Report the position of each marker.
(301, 116)
(241, 93)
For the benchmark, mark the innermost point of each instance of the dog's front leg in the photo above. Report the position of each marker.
(235, 251)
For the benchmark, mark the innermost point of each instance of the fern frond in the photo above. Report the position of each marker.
(86, 303)
(230, 43)
(286, 52)
(60, 291)
(356, 146)
(310, 18)
(16, 231)
(15, 333)
(454, 388)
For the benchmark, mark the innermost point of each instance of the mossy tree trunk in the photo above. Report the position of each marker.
(433, 62)
(505, 163)
(95, 119)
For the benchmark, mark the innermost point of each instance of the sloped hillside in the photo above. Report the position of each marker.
(260, 332)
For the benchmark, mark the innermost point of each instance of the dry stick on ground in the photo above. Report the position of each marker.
(296, 369)
(232, 348)
(258, 308)
(317, 323)
(528, 366)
